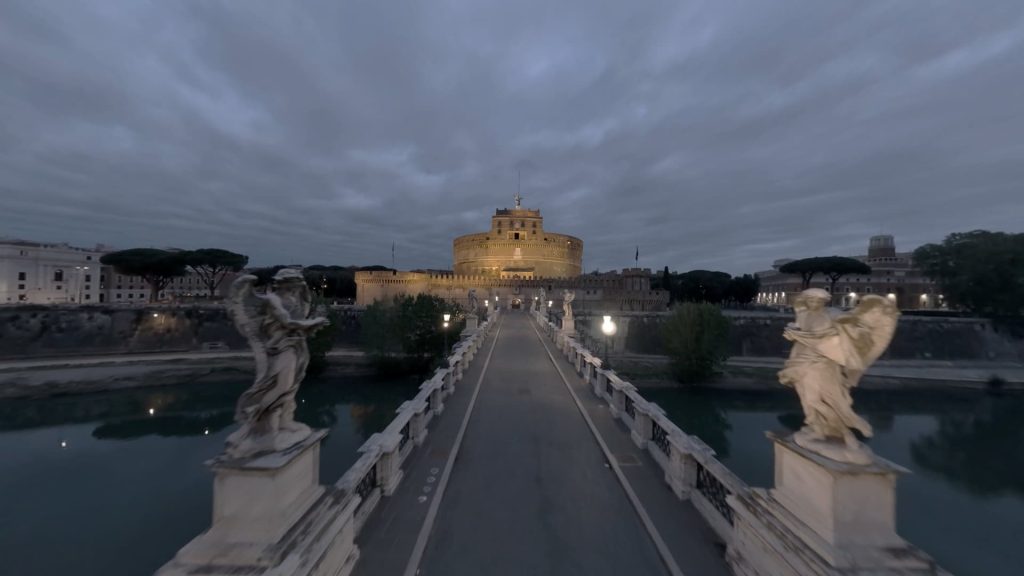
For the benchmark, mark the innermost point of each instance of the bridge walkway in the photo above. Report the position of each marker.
(530, 490)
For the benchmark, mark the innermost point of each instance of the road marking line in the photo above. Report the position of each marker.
(412, 568)
(645, 519)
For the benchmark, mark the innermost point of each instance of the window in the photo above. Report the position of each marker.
(130, 295)
(88, 257)
(58, 275)
(88, 296)
(21, 275)
(88, 287)
(21, 286)
(516, 236)
(88, 277)
(118, 295)
(58, 287)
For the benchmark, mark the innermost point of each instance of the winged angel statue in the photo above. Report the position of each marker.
(828, 358)
(276, 325)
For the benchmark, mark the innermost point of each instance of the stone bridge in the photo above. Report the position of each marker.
(527, 456)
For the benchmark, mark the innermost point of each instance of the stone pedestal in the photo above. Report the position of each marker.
(823, 517)
(271, 515)
(569, 327)
(472, 321)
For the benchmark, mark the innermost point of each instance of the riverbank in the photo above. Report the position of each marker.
(37, 378)
(760, 373)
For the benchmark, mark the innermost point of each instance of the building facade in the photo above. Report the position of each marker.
(892, 275)
(512, 266)
(49, 273)
(626, 291)
(57, 273)
(518, 247)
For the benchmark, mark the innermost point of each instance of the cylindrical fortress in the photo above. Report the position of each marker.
(518, 247)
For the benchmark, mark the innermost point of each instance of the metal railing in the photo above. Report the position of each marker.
(630, 407)
(368, 483)
(660, 438)
(714, 491)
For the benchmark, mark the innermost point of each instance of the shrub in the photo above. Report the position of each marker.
(696, 340)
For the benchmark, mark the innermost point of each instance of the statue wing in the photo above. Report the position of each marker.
(867, 332)
(248, 311)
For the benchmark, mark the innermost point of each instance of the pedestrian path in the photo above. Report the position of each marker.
(541, 480)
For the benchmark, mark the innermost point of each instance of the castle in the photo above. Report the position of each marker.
(509, 266)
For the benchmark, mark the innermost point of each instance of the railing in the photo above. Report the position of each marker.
(689, 464)
(367, 484)
(378, 471)
(405, 436)
(712, 488)
(659, 436)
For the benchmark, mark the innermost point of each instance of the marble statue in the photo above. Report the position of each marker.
(543, 298)
(276, 325)
(828, 358)
(567, 297)
(474, 302)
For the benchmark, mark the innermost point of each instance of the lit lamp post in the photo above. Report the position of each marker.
(609, 328)
(444, 328)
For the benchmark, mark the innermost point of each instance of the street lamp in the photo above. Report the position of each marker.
(447, 318)
(609, 329)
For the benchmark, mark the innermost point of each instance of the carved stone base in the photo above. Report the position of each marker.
(472, 321)
(823, 517)
(271, 516)
(569, 326)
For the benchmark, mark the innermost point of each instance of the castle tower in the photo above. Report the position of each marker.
(518, 247)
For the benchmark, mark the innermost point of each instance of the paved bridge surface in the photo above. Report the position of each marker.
(527, 473)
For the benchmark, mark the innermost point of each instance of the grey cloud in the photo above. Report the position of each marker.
(711, 134)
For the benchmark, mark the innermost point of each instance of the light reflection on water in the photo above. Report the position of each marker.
(128, 488)
(964, 502)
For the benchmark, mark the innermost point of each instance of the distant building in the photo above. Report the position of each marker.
(48, 273)
(510, 264)
(892, 275)
(57, 273)
(517, 246)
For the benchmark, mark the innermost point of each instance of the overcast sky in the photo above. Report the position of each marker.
(718, 134)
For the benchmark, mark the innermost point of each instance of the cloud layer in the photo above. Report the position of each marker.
(713, 134)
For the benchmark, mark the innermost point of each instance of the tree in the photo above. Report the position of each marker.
(406, 334)
(696, 340)
(212, 264)
(743, 289)
(981, 271)
(666, 284)
(832, 267)
(703, 286)
(155, 267)
(331, 281)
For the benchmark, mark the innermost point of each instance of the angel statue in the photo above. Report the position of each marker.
(276, 325)
(543, 298)
(567, 297)
(474, 302)
(828, 358)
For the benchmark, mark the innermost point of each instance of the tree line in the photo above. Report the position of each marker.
(158, 267)
(709, 286)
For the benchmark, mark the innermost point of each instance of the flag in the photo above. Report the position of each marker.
(637, 257)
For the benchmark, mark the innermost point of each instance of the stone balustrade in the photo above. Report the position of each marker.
(378, 471)
(690, 467)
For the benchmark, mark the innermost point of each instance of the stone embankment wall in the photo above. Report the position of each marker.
(760, 334)
(35, 331)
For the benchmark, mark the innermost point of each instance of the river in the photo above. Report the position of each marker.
(97, 485)
(964, 501)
